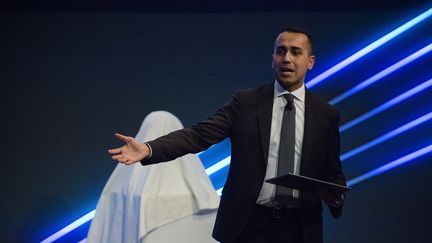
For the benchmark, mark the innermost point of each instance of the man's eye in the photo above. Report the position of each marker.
(296, 52)
(280, 51)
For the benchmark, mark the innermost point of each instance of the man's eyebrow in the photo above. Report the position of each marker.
(296, 48)
(289, 47)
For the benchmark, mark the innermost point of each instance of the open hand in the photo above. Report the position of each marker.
(132, 152)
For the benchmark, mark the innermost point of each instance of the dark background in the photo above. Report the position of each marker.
(72, 75)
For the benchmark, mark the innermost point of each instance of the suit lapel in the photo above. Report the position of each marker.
(265, 110)
(308, 133)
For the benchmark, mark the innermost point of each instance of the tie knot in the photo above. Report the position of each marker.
(290, 101)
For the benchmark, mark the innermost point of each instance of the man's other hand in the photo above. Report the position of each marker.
(332, 198)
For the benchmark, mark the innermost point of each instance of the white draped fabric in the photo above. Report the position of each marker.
(138, 200)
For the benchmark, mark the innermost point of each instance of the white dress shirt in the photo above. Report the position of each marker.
(268, 190)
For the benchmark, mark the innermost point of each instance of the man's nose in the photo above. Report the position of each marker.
(287, 58)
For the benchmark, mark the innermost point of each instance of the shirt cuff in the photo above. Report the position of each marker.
(150, 151)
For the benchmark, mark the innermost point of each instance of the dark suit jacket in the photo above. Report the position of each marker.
(246, 120)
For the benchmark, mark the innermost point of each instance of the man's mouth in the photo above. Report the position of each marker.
(287, 70)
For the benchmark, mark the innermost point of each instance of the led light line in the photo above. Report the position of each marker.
(369, 48)
(381, 74)
(219, 165)
(219, 191)
(387, 136)
(386, 105)
(77, 223)
(391, 165)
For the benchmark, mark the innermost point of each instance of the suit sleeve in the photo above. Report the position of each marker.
(333, 164)
(196, 138)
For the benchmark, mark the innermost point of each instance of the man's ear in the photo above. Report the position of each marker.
(311, 62)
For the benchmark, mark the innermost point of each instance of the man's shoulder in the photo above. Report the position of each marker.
(266, 89)
(323, 105)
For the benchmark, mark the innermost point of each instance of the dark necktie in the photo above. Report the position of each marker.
(286, 149)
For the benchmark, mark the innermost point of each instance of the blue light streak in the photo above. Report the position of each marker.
(77, 223)
(387, 136)
(219, 191)
(381, 74)
(386, 105)
(374, 45)
(219, 165)
(391, 165)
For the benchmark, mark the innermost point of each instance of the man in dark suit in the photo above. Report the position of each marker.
(252, 210)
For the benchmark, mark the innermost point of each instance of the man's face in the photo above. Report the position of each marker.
(291, 60)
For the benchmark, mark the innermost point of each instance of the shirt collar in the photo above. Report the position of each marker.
(298, 93)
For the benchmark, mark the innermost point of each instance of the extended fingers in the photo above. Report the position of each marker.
(129, 162)
(117, 157)
(120, 158)
(114, 151)
(120, 154)
(123, 138)
(125, 161)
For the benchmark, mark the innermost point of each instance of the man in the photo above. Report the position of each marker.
(256, 122)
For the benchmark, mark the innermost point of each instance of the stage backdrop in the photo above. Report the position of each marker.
(70, 80)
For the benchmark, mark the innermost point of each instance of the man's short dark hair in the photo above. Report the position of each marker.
(301, 31)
